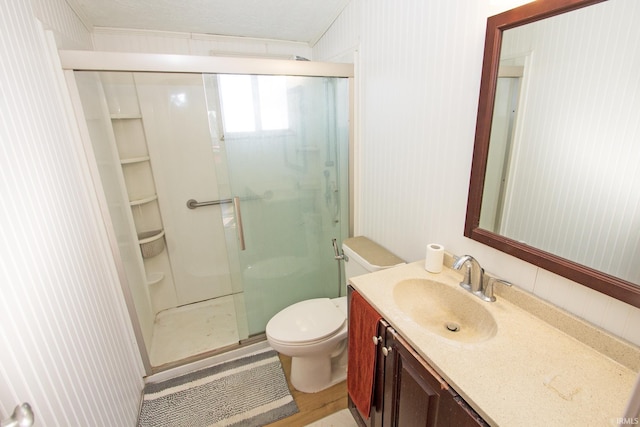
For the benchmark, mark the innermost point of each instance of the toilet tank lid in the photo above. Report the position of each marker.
(370, 252)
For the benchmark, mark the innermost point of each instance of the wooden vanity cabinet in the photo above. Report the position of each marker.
(410, 393)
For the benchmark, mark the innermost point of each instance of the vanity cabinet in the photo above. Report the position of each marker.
(407, 392)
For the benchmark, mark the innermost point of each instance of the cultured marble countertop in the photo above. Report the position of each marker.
(543, 367)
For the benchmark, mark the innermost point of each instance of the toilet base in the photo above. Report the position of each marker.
(314, 374)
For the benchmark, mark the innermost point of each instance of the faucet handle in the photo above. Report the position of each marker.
(487, 291)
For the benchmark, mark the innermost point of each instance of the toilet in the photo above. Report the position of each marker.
(314, 332)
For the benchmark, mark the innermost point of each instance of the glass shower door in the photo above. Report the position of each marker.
(281, 144)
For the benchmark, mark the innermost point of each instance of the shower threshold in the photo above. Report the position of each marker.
(187, 333)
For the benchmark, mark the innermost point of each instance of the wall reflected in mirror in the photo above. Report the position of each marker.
(563, 170)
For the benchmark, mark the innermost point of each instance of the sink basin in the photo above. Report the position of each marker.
(444, 310)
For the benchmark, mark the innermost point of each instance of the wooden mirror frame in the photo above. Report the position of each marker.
(594, 279)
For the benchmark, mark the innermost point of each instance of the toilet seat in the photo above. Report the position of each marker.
(306, 322)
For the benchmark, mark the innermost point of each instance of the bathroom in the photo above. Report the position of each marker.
(417, 87)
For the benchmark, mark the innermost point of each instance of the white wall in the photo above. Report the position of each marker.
(418, 74)
(67, 344)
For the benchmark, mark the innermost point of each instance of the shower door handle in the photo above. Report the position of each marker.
(239, 228)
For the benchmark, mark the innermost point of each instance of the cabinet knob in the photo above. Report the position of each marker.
(377, 340)
(386, 351)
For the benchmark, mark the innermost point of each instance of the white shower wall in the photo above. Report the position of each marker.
(183, 158)
(68, 347)
(418, 77)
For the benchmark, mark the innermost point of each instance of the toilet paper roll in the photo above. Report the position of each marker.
(435, 257)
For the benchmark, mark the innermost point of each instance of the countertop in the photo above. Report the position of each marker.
(543, 366)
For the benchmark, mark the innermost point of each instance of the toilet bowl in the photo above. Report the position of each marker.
(314, 332)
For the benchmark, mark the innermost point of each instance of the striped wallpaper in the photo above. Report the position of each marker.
(67, 344)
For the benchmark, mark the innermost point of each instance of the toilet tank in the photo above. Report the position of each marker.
(366, 256)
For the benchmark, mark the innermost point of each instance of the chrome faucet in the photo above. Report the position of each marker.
(474, 278)
(473, 275)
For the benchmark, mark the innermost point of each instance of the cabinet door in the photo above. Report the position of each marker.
(378, 384)
(416, 395)
(413, 389)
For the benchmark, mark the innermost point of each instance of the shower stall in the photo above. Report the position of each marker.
(222, 186)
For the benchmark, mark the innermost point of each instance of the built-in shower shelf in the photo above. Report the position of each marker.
(154, 278)
(151, 243)
(132, 160)
(118, 116)
(138, 202)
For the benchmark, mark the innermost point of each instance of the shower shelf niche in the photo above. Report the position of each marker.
(151, 243)
(124, 116)
(133, 160)
(138, 180)
(144, 200)
(154, 278)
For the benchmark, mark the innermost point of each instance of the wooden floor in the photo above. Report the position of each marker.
(312, 406)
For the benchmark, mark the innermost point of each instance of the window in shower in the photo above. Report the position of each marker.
(254, 103)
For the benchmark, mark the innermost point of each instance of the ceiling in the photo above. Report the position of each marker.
(292, 20)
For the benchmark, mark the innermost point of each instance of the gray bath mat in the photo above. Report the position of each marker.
(247, 391)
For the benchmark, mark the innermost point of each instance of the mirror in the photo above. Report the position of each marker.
(555, 179)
